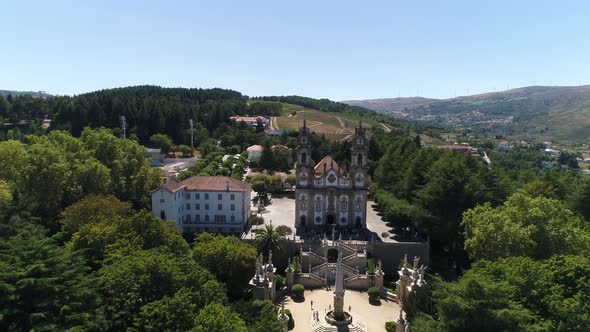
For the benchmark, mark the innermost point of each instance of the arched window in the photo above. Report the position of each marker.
(304, 158)
(343, 205)
(359, 159)
(343, 220)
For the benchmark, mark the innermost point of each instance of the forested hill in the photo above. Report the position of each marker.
(13, 93)
(153, 110)
(559, 113)
(149, 110)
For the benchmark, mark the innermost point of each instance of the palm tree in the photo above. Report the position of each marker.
(269, 239)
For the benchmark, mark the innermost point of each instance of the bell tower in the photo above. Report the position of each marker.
(303, 156)
(358, 159)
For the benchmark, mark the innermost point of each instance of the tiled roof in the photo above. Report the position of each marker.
(215, 183)
(255, 148)
(207, 183)
(329, 163)
(172, 186)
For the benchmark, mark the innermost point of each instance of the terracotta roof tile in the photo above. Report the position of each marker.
(171, 186)
(329, 163)
(214, 183)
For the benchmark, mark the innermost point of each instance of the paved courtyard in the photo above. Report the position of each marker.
(282, 212)
(374, 316)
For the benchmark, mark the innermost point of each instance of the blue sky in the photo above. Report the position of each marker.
(334, 49)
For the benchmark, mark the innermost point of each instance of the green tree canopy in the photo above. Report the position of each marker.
(142, 230)
(45, 287)
(138, 278)
(513, 294)
(219, 318)
(92, 209)
(269, 238)
(524, 226)
(228, 258)
(163, 142)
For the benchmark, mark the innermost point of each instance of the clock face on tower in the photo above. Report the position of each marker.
(359, 140)
(304, 140)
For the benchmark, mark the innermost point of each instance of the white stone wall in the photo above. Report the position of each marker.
(169, 203)
(196, 212)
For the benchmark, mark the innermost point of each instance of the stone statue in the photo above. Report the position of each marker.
(258, 266)
(421, 270)
(416, 261)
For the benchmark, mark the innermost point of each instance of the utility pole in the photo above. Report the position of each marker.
(123, 125)
(190, 121)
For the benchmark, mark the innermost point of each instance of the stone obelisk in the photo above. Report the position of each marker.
(339, 290)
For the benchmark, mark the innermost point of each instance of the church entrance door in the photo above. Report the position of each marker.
(332, 255)
(330, 219)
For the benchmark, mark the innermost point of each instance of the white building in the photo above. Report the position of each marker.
(251, 120)
(214, 204)
(254, 151)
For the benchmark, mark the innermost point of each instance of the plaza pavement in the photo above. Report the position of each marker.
(282, 212)
(374, 316)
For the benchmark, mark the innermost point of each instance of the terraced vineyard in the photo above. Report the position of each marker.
(334, 126)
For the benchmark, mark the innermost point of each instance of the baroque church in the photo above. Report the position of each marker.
(327, 194)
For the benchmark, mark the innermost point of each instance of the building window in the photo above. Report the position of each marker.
(188, 219)
(197, 206)
(197, 196)
(318, 204)
(219, 197)
(343, 220)
(206, 218)
(197, 218)
(207, 206)
(232, 196)
(318, 220)
(232, 218)
(358, 204)
(343, 205)
(232, 207)
(162, 200)
(303, 202)
(220, 219)
(163, 214)
(188, 206)
(206, 196)
(219, 207)
(188, 195)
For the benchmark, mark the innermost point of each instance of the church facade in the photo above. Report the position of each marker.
(326, 193)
